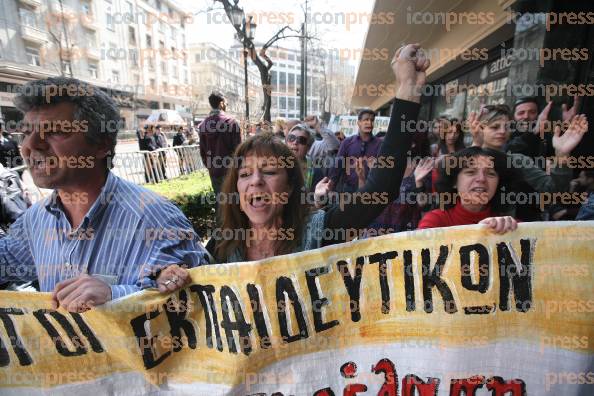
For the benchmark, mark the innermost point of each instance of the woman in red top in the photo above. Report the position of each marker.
(470, 183)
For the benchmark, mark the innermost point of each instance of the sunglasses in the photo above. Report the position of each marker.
(299, 139)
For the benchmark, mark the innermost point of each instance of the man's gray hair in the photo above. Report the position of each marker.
(91, 105)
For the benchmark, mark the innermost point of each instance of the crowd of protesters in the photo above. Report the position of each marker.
(298, 186)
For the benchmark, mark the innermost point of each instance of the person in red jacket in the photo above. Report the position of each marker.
(472, 185)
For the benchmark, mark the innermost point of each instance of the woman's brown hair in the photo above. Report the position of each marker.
(294, 212)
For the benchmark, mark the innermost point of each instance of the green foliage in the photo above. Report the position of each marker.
(194, 196)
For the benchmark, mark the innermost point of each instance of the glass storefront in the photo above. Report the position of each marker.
(483, 85)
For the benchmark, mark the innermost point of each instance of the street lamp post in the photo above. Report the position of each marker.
(248, 29)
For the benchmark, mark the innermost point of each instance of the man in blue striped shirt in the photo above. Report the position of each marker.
(97, 237)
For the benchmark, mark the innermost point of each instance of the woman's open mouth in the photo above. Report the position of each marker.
(258, 201)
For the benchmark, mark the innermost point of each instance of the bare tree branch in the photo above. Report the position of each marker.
(260, 58)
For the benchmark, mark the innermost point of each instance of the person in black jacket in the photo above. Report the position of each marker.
(10, 155)
(179, 139)
(146, 142)
(161, 141)
(13, 203)
(532, 134)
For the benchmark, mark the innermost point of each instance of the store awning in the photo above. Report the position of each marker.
(374, 83)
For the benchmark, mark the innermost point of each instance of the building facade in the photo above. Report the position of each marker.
(286, 83)
(216, 69)
(485, 52)
(136, 50)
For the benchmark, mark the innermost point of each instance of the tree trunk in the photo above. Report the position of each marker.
(267, 90)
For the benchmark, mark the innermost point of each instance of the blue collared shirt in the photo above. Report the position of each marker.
(127, 235)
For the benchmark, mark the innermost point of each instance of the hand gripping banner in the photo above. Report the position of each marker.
(457, 311)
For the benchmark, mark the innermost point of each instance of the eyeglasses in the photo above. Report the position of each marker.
(299, 139)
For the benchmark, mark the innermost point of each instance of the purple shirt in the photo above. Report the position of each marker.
(351, 148)
(219, 136)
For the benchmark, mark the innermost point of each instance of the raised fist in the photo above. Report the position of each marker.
(410, 65)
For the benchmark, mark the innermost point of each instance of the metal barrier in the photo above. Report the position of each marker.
(143, 167)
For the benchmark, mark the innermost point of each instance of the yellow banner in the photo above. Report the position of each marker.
(439, 312)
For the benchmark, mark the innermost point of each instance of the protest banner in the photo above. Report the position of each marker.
(456, 311)
(348, 125)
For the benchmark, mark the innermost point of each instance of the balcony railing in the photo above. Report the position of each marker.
(32, 3)
(34, 34)
(93, 52)
(89, 22)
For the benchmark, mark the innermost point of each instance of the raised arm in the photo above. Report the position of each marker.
(409, 66)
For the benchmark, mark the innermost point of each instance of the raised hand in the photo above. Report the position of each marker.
(409, 66)
(564, 144)
(322, 190)
(424, 167)
(360, 171)
(541, 122)
(568, 114)
(476, 129)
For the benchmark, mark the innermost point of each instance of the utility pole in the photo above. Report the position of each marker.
(303, 107)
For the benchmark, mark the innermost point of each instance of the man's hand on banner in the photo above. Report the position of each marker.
(173, 278)
(81, 293)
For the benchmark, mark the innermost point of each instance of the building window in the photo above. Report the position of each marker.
(33, 56)
(274, 79)
(164, 67)
(175, 72)
(131, 35)
(186, 81)
(109, 18)
(149, 41)
(91, 41)
(28, 17)
(67, 68)
(115, 76)
(197, 58)
(131, 8)
(151, 63)
(153, 84)
(282, 81)
(165, 87)
(86, 9)
(93, 71)
(134, 56)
